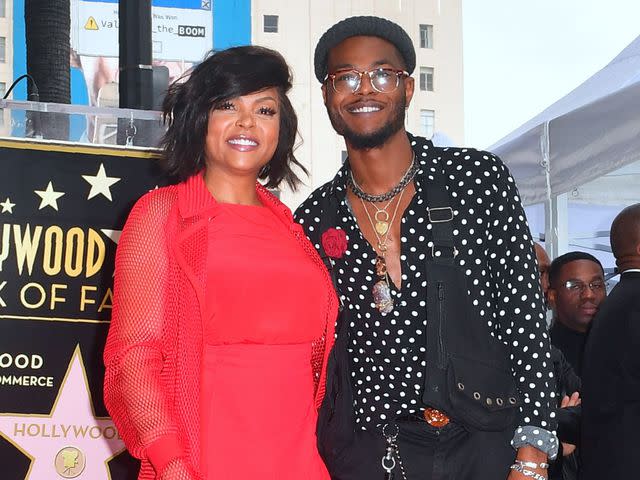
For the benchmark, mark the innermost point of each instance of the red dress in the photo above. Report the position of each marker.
(228, 303)
(266, 303)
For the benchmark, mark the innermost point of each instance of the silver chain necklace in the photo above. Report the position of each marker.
(384, 197)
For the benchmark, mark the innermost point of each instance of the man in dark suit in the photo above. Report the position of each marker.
(611, 370)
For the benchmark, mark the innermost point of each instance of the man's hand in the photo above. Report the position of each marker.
(572, 401)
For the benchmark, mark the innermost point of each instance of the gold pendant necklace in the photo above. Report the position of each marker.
(382, 288)
(382, 218)
(382, 224)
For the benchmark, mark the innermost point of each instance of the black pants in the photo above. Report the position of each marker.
(428, 453)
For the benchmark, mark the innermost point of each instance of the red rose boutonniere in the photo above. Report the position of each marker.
(334, 242)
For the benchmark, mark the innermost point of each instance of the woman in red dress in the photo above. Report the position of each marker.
(223, 312)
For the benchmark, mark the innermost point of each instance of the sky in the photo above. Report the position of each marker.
(522, 55)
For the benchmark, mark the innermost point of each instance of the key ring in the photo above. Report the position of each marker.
(390, 437)
(392, 463)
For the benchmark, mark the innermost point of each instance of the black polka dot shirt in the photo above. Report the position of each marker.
(388, 352)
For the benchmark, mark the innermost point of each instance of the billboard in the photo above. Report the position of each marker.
(182, 30)
(182, 34)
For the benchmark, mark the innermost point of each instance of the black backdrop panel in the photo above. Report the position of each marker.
(62, 208)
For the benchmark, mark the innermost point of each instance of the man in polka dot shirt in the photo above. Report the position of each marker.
(379, 200)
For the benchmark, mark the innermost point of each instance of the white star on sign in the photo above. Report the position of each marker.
(100, 183)
(49, 197)
(7, 206)
(112, 234)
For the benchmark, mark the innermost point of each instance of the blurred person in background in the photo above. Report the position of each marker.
(611, 374)
(568, 393)
(576, 290)
(544, 262)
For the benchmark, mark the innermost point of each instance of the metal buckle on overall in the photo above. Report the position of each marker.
(440, 211)
(435, 417)
(441, 250)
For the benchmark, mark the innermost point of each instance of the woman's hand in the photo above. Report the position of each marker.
(178, 469)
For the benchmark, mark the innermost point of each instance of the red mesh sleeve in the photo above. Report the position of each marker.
(178, 469)
(136, 392)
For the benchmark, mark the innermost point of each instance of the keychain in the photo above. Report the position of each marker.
(388, 459)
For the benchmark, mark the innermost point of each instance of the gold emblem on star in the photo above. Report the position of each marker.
(69, 462)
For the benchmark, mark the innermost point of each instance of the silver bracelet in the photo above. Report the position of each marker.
(544, 466)
(527, 473)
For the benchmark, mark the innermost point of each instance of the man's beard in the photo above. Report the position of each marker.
(367, 141)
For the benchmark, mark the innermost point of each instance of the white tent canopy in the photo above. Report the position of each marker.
(590, 132)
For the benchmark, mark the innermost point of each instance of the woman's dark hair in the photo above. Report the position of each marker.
(222, 76)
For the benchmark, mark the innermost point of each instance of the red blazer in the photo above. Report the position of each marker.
(154, 347)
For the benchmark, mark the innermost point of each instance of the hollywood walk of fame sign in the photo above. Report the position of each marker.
(62, 209)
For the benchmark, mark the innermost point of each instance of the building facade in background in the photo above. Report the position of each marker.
(293, 28)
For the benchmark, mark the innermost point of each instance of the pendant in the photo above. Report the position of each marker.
(381, 267)
(382, 227)
(382, 222)
(382, 296)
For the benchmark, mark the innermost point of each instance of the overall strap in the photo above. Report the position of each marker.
(446, 314)
(440, 216)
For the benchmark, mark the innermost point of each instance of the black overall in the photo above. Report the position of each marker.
(467, 376)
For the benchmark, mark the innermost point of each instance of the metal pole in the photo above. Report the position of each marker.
(557, 225)
(550, 240)
(136, 71)
(556, 207)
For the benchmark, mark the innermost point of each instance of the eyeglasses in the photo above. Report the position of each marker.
(383, 80)
(576, 286)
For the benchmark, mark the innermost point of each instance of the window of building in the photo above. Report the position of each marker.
(426, 79)
(426, 36)
(3, 47)
(3, 8)
(271, 23)
(427, 122)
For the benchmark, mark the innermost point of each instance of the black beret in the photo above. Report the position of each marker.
(365, 26)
